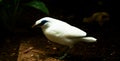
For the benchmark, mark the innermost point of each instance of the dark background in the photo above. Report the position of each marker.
(108, 34)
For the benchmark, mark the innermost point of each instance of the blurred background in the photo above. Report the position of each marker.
(98, 18)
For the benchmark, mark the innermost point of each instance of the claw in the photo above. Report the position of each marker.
(62, 57)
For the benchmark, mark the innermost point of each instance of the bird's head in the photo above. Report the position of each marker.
(41, 22)
(45, 21)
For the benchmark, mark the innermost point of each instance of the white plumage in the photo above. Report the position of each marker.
(61, 32)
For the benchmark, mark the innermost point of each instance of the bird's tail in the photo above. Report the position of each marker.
(89, 39)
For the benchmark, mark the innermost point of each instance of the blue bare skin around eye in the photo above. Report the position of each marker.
(43, 22)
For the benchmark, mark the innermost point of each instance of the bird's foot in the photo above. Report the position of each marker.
(62, 57)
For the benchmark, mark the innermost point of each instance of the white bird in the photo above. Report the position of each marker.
(61, 32)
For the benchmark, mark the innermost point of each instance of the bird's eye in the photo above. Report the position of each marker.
(43, 22)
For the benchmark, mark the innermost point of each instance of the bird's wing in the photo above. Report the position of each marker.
(66, 30)
(72, 32)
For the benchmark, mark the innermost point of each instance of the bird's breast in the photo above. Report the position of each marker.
(53, 35)
(57, 37)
